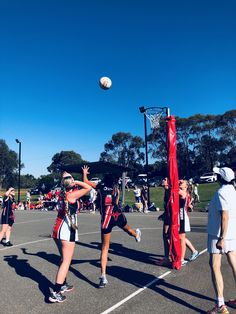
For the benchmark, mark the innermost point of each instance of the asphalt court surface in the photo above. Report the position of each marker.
(136, 283)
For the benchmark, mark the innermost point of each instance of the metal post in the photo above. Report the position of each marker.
(19, 166)
(146, 153)
(143, 110)
(123, 188)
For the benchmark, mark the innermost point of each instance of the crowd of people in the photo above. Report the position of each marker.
(221, 224)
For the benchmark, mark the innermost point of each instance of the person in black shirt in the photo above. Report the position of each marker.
(111, 216)
(8, 217)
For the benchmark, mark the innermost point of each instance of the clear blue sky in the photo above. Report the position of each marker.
(180, 54)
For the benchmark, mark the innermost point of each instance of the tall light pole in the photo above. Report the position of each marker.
(18, 142)
(143, 110)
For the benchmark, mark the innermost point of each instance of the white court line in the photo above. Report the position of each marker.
(135, 293)
(39, 220)
(45, 219)
(17, 245)
(125, 299)
(203, 251)
(42, 240)
(87, 214)
(80, 234)
(140, 290)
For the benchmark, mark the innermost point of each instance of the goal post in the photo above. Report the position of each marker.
(154, 115)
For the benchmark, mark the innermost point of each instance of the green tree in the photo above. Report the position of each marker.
(202, 140)
(64, 158)
(8, 165)
(124, 149)
(28, 181)
(46, 182)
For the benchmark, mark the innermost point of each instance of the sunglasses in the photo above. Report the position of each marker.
(68, 177)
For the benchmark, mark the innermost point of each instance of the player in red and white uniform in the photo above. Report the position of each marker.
(184, 222)
(111, 216)
(65, 231)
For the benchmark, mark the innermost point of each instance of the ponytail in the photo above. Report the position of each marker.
(66, 207)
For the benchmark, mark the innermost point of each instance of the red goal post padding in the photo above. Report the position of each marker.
(175, 248)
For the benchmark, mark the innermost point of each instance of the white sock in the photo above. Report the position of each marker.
(220, 301)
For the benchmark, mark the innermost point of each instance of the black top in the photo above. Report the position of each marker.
(8, 207)
(107, 196)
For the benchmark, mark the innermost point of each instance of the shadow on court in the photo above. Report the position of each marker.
(56, 259)
(141, 279)
(123, 251)
(24, 269)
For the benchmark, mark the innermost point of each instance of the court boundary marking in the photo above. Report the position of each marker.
(132, 295)
(129, 297)
(80, 234)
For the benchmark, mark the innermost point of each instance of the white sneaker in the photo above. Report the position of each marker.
(184, 263)
(138, 235)
(103, 282)
(194, 256)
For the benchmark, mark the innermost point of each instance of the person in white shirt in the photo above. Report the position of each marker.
(137, 194)
(221, 234)
(195, 193)
(92, 199)
(28, 197)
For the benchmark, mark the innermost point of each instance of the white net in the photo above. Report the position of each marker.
(154, 116)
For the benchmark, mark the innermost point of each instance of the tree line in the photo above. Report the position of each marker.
(202, 141)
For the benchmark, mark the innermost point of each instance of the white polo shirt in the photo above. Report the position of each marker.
(223, 199)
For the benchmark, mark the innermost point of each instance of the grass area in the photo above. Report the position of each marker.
(34, 198)
(206, 192)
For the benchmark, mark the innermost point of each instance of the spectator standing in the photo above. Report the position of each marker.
(222, 235)
(92, 200)
(137, 194)
(28, 198)
(41, 202)
(195, 193)
(144, 198)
